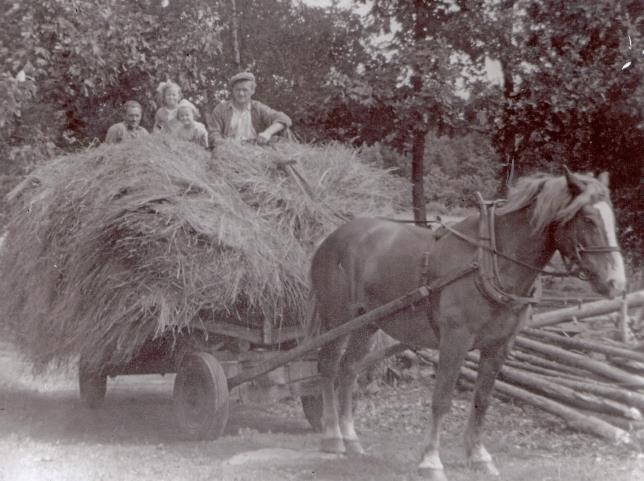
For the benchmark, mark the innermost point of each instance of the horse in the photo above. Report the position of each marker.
(370, 261)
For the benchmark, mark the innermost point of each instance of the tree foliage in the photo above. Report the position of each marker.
(87, 56)
(567, 98)
(575, 101)
(82, 59)
(413, 73)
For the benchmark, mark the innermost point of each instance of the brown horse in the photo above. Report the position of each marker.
(368, 262)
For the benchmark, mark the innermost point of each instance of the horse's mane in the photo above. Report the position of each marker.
(550, 198)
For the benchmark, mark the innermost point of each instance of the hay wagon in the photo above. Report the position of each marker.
(223, 360)
(204, 360)
(123, 243)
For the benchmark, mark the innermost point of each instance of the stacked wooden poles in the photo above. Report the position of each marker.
(595, 386)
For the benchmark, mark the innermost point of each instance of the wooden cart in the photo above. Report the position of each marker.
(220, 361)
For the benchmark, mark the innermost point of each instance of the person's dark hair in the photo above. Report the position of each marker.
(133, 104)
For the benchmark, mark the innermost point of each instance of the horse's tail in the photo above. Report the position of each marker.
(313, 324)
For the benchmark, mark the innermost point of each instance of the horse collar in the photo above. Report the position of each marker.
(488, 279)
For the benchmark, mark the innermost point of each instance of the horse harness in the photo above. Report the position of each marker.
(485, 264)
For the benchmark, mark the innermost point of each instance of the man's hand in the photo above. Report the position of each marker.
(263, 138)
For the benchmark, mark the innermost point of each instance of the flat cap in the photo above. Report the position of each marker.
(240, 77)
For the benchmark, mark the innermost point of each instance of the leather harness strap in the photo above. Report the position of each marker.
(485, 265)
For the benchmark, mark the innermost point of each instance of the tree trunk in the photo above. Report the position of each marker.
(506, 60)
(420, 129)
(418, 177)
(235, 32)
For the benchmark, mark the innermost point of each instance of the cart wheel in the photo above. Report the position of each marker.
(92, 385)
(201, 396)
(312, 406)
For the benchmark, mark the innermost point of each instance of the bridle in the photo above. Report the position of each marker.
(574, 263)
(488, 279)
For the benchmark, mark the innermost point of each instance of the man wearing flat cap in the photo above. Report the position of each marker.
(243, 118)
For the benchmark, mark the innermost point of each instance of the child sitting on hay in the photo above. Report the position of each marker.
(188, 129)
(169, 96)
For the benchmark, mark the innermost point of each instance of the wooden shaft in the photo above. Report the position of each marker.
(597, 367)
(375, 315)
(589, 309)
(585, 345)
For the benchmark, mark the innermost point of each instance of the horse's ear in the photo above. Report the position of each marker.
(575, 185)
(603, 178)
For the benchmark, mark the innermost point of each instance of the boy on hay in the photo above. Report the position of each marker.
(243, 118)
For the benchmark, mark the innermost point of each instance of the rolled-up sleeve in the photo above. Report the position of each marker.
(269, 116)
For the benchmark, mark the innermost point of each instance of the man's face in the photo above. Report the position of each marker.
(243, 92)
(132, 117)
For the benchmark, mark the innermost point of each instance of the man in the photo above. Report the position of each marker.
(128, 129)
(243, 118)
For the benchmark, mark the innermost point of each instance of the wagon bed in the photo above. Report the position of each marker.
(221, 360)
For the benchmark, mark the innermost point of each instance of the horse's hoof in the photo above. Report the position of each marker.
(353, 447)
(487, 467)
(432, 474)
(332, 445)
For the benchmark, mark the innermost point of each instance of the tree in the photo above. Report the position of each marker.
(87, 57)
(293, 49)
(399, 96)
(574, 102)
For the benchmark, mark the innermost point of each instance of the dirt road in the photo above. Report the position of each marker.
(46, 434)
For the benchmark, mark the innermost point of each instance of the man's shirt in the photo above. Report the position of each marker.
(220, 121)
(120, 132)
(241, 124)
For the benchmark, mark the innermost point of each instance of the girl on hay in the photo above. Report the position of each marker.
(169, 97)
(188, 128)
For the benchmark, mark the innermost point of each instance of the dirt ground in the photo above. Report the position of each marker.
(46, 434)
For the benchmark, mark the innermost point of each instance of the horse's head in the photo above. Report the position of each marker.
(586, 235)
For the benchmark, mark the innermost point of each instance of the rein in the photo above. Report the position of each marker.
(488, 279)
(493, 250)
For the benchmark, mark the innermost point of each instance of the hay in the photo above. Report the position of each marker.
(120, 244)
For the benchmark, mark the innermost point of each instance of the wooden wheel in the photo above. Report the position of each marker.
(312, 406)
(201, 400)
(92, 385)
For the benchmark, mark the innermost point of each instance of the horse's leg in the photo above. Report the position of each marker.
(360, 343)
(490, 363)
(454, 344)
(328, 364)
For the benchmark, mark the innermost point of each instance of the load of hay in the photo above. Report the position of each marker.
(108, 248)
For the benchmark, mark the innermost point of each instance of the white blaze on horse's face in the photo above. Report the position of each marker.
(616, 275)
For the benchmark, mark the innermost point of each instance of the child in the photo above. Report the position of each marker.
(188, 129)
(169, 96)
